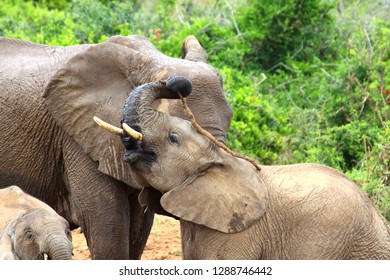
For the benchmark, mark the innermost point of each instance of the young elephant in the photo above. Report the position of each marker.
(30, 229)
(230, 210)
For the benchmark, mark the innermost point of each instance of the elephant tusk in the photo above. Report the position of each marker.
(109, 127)
(132, 133)
(45, 257)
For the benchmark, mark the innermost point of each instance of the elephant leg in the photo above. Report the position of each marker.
(141, 221)
(104, 217)
(101, 205)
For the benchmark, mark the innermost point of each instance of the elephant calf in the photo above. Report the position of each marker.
(228, 209)
(30, 229)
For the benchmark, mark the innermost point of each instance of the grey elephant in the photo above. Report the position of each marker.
(30, 229)
(229, 209)
(50, 149)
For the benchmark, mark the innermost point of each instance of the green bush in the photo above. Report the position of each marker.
(373, 172)
(276, 30)
(256, 127)
(31, 21)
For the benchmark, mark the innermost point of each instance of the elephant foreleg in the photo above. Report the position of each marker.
(101, 205)
(104, 220)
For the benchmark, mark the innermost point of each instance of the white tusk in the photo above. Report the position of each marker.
(45, 257)
(132, 133)
(109, 127)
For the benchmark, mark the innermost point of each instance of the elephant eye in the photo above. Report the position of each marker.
(173, 138)
(29, 236)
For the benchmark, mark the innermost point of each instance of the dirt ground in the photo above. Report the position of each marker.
(163, 242)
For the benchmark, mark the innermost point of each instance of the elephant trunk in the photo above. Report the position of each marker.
(59, 248)
(138, 109)
(138, 113)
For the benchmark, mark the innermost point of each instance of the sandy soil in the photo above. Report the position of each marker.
(163, 242)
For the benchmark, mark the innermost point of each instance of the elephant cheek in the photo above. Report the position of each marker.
(161, 179)
(27, 250)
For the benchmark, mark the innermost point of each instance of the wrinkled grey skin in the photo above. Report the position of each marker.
(30, 229)
(52, 149)
(230, 210)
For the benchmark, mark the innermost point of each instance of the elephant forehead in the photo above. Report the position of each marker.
(191, 137)
(160, 74)
(162, 105)
(41, 216)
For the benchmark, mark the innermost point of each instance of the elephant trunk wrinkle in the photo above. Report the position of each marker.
(58, 247)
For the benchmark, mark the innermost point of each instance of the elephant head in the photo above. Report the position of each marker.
(198, 181)
(98, 79)
(31, 230)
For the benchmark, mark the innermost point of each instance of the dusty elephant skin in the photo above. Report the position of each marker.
(230, 210)
(30, 229)
(51, 148)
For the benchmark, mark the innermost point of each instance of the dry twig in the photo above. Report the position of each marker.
(191, 117)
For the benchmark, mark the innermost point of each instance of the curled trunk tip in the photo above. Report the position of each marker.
(180, 84)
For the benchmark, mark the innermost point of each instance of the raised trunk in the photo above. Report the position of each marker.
(138, 110)
(139, 114)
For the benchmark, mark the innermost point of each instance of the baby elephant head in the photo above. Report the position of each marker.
(198, 181)
(34, 233)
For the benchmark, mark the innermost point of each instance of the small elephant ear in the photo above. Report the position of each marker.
(7, 251)
(192, 50)
(225, 199)
(95, 83)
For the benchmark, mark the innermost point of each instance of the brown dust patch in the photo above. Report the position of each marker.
(163, 243)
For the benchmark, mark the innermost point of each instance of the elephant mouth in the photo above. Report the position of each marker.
(139, 156)
(42, 256)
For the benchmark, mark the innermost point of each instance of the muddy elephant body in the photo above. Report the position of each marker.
(52, 149)
(231, 208)
(313, 212)
(30, 229)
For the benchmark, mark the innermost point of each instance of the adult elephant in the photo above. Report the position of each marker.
(229, 209)
(50, 147)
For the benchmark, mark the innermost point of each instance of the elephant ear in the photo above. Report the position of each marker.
(225, 199)
(95, 83)
(192, 50)
(7, 251)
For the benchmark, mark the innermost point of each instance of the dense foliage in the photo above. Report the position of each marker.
(309, 81)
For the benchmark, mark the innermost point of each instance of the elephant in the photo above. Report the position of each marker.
(51, 150)
(30, 229)
(231, 208)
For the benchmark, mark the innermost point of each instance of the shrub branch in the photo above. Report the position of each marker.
(191, 117)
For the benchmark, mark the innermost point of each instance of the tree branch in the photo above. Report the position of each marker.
(191, 117)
